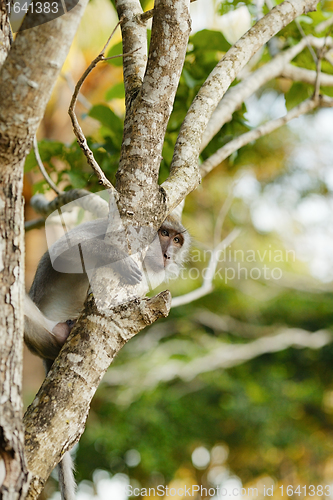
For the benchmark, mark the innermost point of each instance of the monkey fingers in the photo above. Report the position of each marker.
(129, 270)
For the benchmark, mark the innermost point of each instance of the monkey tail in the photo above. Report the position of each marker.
(66, 477)
(65, 467)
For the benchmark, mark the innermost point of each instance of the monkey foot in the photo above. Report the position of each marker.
(62, 330)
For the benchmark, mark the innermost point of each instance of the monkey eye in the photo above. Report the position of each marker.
(164, 232)
(176, 239)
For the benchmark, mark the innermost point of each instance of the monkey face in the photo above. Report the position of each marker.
(165, 253)
(171, 243)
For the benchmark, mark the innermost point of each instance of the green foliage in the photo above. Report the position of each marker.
(47, 150)
(75, 170)
(263, 410)
(209, 40)
(230, 5)
(116, 50)
(115, 92)
(112, 124)
(298, 93)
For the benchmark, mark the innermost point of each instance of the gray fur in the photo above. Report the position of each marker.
(66, 477)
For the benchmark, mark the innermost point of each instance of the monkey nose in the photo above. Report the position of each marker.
(166, 256)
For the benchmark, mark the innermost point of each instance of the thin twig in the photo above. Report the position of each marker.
(70, 82)
(300, 29)
(121, 55)
(317, 82)
(82, 141)
(321, 53)
(219, 355)
(235, 144)
(42, 168)
(221, 217)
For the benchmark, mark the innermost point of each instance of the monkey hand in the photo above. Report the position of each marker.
(128, 270)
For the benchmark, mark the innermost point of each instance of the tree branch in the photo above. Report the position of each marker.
(146, 120)
(82, 141)
(134, 35)
(27, 78)
(42, 168)
(5, 33)
(324, 25)
(227, 356)
(184, 172)
(60, 409)
(228, 324)
(145, 16)
(30, 73)
(306, 75)
(164, 367)
(207, 285)
(232, 146)
(236, 95)
(34, 224)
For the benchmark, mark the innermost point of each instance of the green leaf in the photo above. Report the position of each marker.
(210, 38)
(327, 91)
(144, 4)
(30, 162)
(305, 19)
(298, 93)
(39, 187)
(189, 80)
(76, 179)
(107, 118)
(114, 51)
(47, 150)
(115, 92)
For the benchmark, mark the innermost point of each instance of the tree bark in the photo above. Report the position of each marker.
(146, 120)
(56, 419)
(27, 78)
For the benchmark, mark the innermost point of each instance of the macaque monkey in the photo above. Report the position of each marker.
(56, 298)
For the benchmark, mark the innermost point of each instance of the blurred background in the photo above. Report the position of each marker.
(235, 389)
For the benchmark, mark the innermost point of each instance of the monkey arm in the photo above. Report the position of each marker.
(84, 248)
(94, 253)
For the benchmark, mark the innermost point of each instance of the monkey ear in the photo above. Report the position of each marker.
(177, 212)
